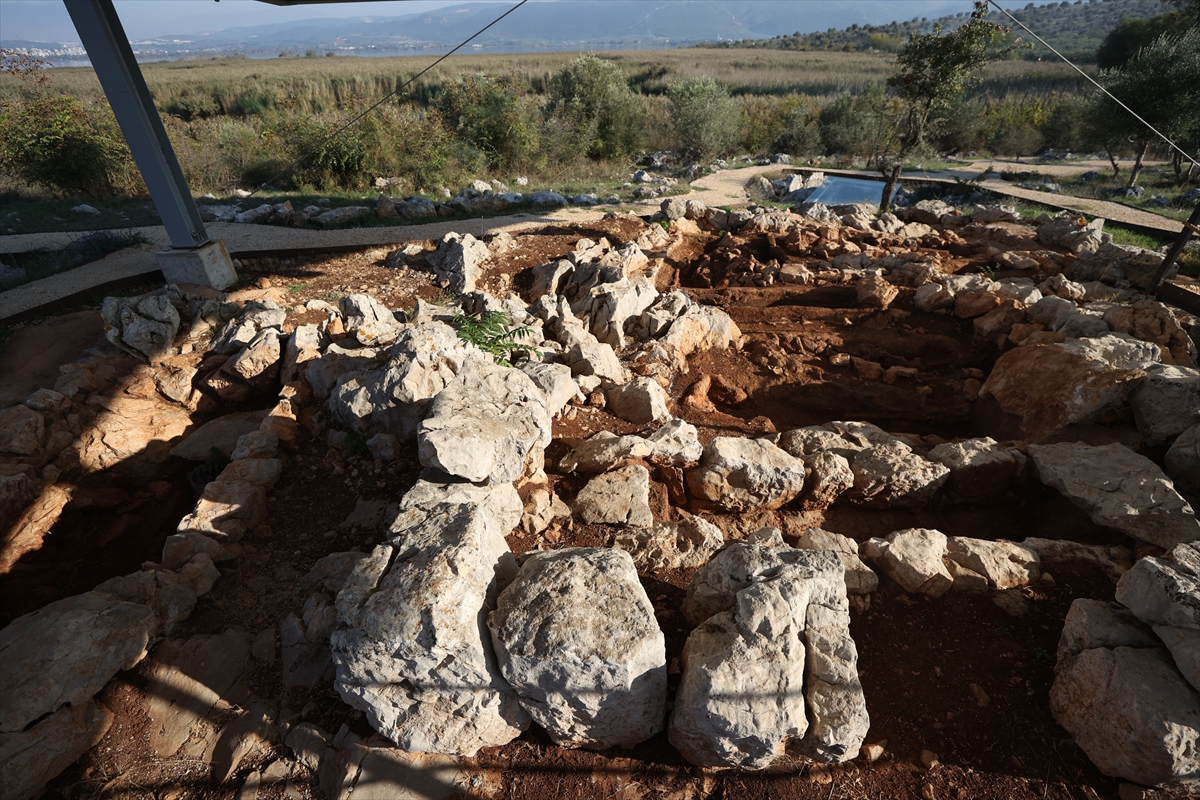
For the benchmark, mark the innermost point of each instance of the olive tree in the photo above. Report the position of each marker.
(1158, 84)
(932, 71)
(705, 118)
(605, 117)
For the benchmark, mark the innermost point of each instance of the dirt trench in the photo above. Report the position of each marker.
(964, 676)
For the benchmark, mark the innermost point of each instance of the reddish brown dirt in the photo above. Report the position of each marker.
(919, 658)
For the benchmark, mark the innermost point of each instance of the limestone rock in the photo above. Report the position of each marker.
(576, 638)
(555, 382)
(21, 430)
(980, 469)
(892, 475)
(1182, 462)
(395, 397)
(436, 493)
(771, 660)
(143, 326)
(912, 558)
(1138, 691)
(676, 443)
(860, 579)
(171, 595)
(227, 510)
(458, 261)
(485, 425)
(29, 759)
(1166, 403)
(702, 328)
(620, 497)
(304, 641)
(1118, 488)
(1005, 565)
(1117, 262)
(843, 438)
(602, 451)
(686, 544)
(641, 401)
(1165, 591)
(1046, 387)
(1094, 623)
(221, 433)
(65, 652)
(412, 649)
(875, 292)
(1115, 560)
(829, 477)
(746, 474)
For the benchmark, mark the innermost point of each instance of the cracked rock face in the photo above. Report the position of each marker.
(1120, 489)
(771, 660)
(744, 474)
(1111, 676)
(485, 425)
(412, 650)
(576, 638)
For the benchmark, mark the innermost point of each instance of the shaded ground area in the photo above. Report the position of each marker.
(964, 676)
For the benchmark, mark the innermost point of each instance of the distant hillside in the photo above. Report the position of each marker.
(1074, 29)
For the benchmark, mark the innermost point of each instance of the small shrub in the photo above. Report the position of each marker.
(489, 332)
(604, 116)
(705, 118)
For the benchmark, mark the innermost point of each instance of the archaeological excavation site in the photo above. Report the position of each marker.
(702, 504)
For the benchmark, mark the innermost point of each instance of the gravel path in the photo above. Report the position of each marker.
(723, 188)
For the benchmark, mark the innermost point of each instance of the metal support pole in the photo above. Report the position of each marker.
(108, 49)
(1189, 228)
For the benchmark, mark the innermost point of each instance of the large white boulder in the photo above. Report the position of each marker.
(395, 397)
(1166, 403)
(485, 425)
(1111, 677)
(412, 650)
(576, 638)
(770, 661)
(746, 474)
(1041, 389)
(1118, 488)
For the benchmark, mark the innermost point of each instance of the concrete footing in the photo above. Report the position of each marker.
(208, 265)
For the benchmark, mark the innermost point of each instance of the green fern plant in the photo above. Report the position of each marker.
(490, 333)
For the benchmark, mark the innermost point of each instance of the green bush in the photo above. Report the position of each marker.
(853, 125)
(62, 144)
(800, 134)
(492, 116)
(705, 118)
(602, 114)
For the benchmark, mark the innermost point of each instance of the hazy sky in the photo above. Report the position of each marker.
(47, 20)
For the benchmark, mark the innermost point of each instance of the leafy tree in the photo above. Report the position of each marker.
(490, 114)
(800, 134)
(1130, 36)
(1158, 84)
(853, 126)
(932, 71)
(594, 97)
(705, 118)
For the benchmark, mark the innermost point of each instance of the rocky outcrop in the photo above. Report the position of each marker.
(1118, 488)
(745, 474)
(771, 661)
(686, 544)
(412, 649)
(620, 497)
(576, 638)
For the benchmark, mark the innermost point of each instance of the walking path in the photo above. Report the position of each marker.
(722, 188)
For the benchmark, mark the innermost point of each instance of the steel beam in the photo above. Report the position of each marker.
(108, 49)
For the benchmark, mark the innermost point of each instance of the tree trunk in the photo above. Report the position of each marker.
(889, 185)
(1137, 164)
(1113, 160)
